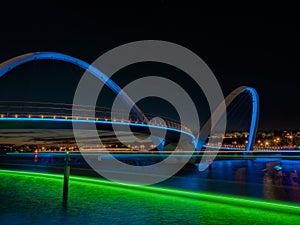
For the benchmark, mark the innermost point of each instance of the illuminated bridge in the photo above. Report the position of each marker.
(21, 111)
(138, 121)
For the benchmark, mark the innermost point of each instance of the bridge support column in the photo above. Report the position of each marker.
(198, 144)
(66, 177)
(161, 145)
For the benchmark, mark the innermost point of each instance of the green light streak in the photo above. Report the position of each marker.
(204, 196)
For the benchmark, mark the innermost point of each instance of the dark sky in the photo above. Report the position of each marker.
(257, 51)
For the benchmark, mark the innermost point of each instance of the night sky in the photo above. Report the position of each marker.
(261, 52)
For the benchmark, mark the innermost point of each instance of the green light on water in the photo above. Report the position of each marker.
(204, 196)
(94, 200)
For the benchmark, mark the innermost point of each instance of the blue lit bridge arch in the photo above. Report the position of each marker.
(204, 132)
(22, 59)
(198, 139)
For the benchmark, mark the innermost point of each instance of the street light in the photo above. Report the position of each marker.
(267, 143)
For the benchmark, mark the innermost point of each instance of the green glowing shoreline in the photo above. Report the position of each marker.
(204, 196)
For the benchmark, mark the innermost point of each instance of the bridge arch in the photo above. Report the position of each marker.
(202, 135)
(25, 58)
(204, 132)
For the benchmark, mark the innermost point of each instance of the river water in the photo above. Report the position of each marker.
(266, 178)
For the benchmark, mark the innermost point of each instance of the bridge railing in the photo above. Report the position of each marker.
(49, 110)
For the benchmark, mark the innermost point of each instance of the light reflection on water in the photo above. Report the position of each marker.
(255, 178)
(37, 200)
(266, 178)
